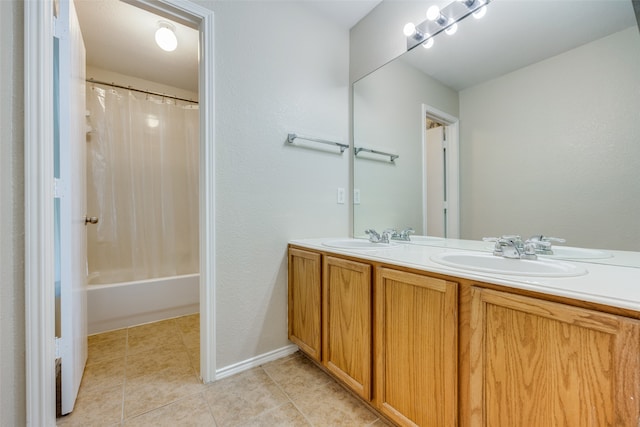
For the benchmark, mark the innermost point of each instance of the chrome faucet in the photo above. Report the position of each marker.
(512, 246)
(543, 243)
(374, 237)
(402, 235)
(506, 246)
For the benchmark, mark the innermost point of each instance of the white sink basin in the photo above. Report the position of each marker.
(486, 263)
(357, 244)
(426, 239)
(569, 252)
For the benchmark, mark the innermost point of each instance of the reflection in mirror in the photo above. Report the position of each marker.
(547, 95)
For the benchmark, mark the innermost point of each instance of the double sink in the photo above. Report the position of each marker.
(488, 263)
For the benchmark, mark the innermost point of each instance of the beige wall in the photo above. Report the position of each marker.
(12, 341)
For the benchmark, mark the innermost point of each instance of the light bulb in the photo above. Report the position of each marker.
(166, 38)
(451, 30)
(409, 29)
(428, 44)
(433, 12)
(479, 13)
(152, 121)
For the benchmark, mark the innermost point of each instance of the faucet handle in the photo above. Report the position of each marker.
(407, 231)
(543, 238)
(387, 235)
(374, 237)
(499, 243)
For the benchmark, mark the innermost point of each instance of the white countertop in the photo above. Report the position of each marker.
(616, 286)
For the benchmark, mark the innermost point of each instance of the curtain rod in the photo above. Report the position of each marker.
(141, 91)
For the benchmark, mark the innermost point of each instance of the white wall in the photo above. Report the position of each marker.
(388, 117)
(561, 160)
(280, 67)
(12, 327)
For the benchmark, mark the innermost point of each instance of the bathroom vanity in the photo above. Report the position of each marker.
(431, 345)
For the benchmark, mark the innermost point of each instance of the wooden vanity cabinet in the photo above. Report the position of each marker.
(540, 363)
(347, 322)
(438, 351)
(305, 301)
(416, 345)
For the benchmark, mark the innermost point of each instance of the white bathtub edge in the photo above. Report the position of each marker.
(255, 361)
(100, 326)
(129, 304)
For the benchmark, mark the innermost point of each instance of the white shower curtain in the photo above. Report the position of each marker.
(142, 183)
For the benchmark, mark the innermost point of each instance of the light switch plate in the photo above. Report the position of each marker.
(341, 195)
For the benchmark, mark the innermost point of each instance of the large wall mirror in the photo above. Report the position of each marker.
(542, 102)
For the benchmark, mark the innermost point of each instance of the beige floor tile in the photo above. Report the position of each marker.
(103, 374)
(154, 341)
(282, 416)
(191, 411)
(194, 356)
(96, 407)
(157, 361)
(189, 323)
(148, 392)
(296, 374)
(110, 345)
(108, 336)
(191, 339)
(245, 395)
(160, 328)
(331, 405)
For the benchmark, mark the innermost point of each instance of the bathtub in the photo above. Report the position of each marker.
(120, 305)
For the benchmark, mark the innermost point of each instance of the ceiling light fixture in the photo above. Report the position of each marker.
(445, 19)
(166, 36)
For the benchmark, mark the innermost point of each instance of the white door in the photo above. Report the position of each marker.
(72, 343)
(436, 214)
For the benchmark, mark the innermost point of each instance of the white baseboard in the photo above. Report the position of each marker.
(255, 361)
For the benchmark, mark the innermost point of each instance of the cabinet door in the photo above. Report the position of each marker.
(347, 320)
(305, 293)
(416, 348)
(538, 363)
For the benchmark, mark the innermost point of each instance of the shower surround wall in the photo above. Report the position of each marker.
(142, 175)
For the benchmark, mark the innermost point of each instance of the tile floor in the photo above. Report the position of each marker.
(147, 376)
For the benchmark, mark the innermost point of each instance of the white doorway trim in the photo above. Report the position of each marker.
(39, 265)
(452, 173)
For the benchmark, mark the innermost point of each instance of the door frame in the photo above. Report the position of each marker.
(38, 143)
(452, 174)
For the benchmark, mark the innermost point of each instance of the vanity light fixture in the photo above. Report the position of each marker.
(433, 14)
(445, 19)
(479, 11)
(166, 36)
(409, 30)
